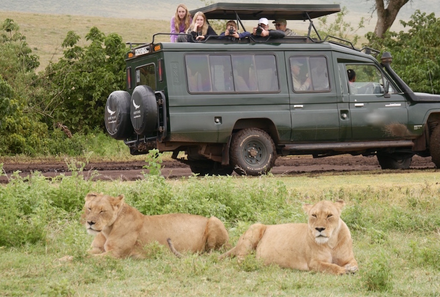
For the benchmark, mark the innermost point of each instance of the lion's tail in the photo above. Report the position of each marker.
(172, 248)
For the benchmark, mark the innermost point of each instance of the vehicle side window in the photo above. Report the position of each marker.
(146, 75)
(221, 73)
(231, 73)
(197, 70)
(267, 76)
(309, 74)
(366, 80)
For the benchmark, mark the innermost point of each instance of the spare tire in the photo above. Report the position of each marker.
(117, 115)
(143, 110)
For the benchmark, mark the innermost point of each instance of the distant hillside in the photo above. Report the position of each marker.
(45, 23)
(142, 9)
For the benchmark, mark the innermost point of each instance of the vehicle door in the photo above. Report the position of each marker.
(375, 114)
(313, 100)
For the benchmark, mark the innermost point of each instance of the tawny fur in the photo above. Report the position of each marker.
(122, 231)
(324, 244)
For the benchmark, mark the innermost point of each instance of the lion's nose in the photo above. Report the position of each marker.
(319, 229)
(91, 223)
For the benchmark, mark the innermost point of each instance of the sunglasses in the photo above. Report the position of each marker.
(277, 25)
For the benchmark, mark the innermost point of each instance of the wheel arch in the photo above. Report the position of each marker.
(264, 124)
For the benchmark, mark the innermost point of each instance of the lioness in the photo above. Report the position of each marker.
(324, 244)
(122, 231)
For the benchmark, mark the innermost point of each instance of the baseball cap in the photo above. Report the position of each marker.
(280, 21)
(263, 21)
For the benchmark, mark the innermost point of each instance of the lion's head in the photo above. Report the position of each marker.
(324, 219)
(100, 211)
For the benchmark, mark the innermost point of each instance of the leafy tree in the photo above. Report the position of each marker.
(80, 82)
(20, 129)
(416, 53)
(386, 15)
(339, 28)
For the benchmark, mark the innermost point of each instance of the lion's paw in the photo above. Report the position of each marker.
(350, 269)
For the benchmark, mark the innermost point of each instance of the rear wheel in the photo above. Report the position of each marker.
(394, 160)
(434, 146)
(209, 167)
(252, 152)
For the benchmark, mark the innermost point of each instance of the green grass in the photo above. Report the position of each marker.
(394, 219)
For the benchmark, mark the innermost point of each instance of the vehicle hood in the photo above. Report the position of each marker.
(425, 97)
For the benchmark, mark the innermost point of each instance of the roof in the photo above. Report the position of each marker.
(254, 11)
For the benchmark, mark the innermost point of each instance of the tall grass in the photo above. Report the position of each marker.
(43, 248)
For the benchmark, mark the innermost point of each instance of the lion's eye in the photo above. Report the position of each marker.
(101, 211)
(329, 216)
(89, 209)
(314, 216)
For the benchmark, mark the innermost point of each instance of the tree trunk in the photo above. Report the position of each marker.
(387, 16)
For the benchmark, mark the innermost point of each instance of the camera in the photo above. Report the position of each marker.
(259, 30)
(231, 30)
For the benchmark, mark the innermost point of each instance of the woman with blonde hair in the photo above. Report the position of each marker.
(200, 29)
(180, 22)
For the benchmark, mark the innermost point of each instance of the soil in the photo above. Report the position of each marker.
(129, 171)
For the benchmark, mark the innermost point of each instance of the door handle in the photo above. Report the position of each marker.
(359, 105)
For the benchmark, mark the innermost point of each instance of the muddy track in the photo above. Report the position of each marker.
(129, 171)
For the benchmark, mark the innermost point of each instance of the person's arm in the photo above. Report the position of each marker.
(173, 38)
(244, 34)
(276, 34)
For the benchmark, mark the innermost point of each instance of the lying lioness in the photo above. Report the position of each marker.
(122, 231)
(324, 244)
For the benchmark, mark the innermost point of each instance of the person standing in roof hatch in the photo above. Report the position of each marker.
(281, 24)
(200, 29)
(262, 30)
(180, 22)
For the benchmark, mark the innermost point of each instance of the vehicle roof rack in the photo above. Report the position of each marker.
(254, 11)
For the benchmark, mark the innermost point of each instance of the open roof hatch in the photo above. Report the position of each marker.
(254, 11)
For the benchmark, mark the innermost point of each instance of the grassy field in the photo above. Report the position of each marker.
(46, 32)
(394, 219)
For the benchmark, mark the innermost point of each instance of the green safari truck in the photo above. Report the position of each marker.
(237, 104)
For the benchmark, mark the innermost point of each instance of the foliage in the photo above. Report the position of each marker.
(20, 131)
(377, 274)
(416, 51)
(44, 247)
(77, 86)
(338, 27)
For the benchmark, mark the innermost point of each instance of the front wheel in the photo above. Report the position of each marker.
(252, 152)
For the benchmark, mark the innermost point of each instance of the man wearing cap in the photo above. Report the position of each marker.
(281, 24)
(264, 31)
(300, 82)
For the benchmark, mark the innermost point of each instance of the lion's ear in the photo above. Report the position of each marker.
(118, 201)
(340, 204)
(91, 196)
(307, 207)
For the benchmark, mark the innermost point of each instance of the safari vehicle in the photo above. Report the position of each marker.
(228, 105)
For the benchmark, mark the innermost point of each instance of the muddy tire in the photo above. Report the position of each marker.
(143, 111)
(117, 115)
(252, 152)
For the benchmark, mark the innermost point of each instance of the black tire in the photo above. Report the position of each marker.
(143, 110)
(209, 167)
(117, 115)
(394, 160)
(434, 146)
(252, 152)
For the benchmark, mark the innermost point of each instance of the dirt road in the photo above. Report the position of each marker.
(129, 171)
